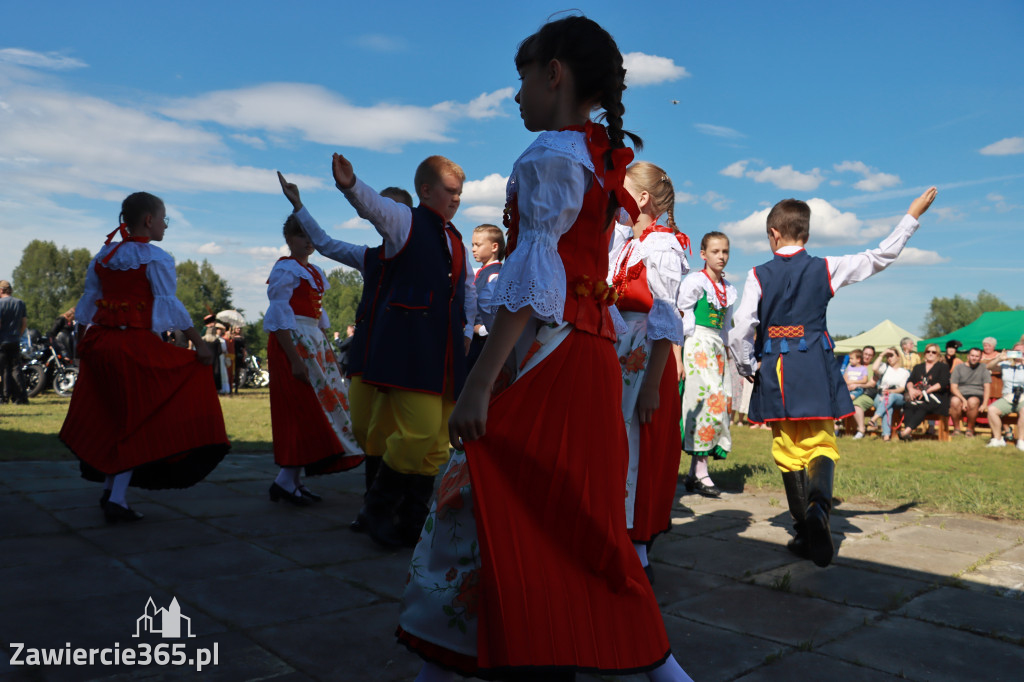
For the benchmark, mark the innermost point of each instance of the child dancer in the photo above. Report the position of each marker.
(144, 412)
(646, 273)
(421, 331)
(706, 300)
(366, 405)
(308, 400)
(798, 388)
(552, 584)
(489, 251)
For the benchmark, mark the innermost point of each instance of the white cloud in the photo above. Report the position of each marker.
(378, 42)
(718, 131)
(250, 140)
(915, 256)
(787, 177)
(647, 69)
(686, 198)
(322, 116)
(992, 196)
(489, 190)
(40, 60)
(210, 249)
(735, 170)
(356, 223)
(829, 226)
(716, 200)
(948, 213)
(477, 215)
(873, 181)
(1004, 147)
(265, 253)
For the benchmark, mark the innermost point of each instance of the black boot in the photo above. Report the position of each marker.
(414, 507)
(796, 495)
(820, 472)
(378, 513)
(371, 466)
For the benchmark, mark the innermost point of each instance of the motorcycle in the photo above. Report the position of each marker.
(252, 375)
(44, 367)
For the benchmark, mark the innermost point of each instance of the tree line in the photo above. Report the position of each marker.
(51, 279)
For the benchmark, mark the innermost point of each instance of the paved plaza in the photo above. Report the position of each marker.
(289, 594)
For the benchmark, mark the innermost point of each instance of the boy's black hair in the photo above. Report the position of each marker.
(137, 206)
(292, 226)
(792, 218)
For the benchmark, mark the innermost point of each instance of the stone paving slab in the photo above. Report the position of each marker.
(810, 666)
(981, 613)
(844, 585)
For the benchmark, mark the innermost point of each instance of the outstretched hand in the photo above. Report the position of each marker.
(921, 204)
(291, 192)
(344, 174)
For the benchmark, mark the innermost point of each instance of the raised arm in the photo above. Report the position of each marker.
(335, 249)
(392, 220)
(741, 336)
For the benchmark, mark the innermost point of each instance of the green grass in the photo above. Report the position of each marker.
(960, 476)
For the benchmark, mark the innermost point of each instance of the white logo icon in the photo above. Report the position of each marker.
(166, 622)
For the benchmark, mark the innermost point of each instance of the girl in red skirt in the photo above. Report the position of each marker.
(144, 412)
(524, 569)
(309, 411)
(646, 272)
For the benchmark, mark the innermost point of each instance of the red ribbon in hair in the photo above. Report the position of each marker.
(600, 148)
(681, 237)
(122, 229)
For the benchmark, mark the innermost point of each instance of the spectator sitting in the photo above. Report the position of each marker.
(950, 358)
(892, 383)
(908, 358)
(1012, 366)
(927, 391)
(988, 350)
(860, 381)
(856, 374)
(969, 386)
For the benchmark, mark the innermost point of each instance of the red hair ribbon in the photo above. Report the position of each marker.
(122, 229)
(681, 237)
(611, 178)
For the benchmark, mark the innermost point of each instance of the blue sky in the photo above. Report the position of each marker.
(856, 106)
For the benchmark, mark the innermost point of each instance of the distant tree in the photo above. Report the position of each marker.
(202, 290)
(342, 298)
(255, 338)
(49, 280)
(946, 315)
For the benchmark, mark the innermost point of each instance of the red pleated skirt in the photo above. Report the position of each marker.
(302, 434)
(561, 586)
(660, 452)
(143, 404)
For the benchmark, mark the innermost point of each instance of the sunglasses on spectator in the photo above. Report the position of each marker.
(931, 352)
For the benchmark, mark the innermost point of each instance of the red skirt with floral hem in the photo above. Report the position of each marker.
(560, 583)
(143, 404)
(303, 435)
(660, 452)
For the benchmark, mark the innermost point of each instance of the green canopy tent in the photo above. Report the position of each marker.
(1006, 327)
(883, 335)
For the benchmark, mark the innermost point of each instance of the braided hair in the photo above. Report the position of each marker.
(655, 181)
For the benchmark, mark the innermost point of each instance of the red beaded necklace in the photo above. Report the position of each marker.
(720, 293)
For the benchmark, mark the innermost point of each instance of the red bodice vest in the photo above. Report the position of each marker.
(127, 298)
(306, 300)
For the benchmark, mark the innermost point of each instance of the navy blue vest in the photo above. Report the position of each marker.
(482, 276)
(358, 349)
(799, 377)
(416, 336)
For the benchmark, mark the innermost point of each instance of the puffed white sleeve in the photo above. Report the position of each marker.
(551, 187)
(690, 291)
(745, 321)
(325, 321)
(335, 249)
(664, 275)
(280, 286)
(620, 235)
(392, 220)
(727, 322)
(168, 312)
(86, 307)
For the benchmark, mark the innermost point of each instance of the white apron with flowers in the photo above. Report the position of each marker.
(634, 350)
(325, 377)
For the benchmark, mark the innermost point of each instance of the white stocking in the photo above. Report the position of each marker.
(701, 468)
(641, 551)
(669, 671)
(119, 488)
(288, 478)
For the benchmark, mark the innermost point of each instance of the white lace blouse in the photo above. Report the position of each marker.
(551, 179)
(284, 278)
(168, 311)
(666, 266)
(695, 285)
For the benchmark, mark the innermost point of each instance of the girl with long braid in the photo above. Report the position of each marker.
(524, 569)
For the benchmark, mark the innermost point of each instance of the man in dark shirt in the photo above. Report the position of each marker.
(13, 322)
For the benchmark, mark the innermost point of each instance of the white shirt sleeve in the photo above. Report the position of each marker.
(345, 253)
(551, 186)
(168, 312)
(741, 336)
(664, 275)
(690, 291)
(280, 286)
(857, 267)
(620, 235)
(470, 304)
(86, 307)
(392, 220)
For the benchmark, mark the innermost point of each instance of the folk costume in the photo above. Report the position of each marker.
(707, 316)
(484, 281)
(646, 274)
(140, 405)
(524, 561)
(416, 354)
(798, 388)
(310, 422)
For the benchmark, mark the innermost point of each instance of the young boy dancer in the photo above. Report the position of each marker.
(418, 341)
(798, 387)
(489, 251)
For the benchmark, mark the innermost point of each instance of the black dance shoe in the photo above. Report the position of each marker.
(115, 512)
(279, 493)
(649, 571)
(104, 498)
(688, 482)
(706, 490)
(309, 494)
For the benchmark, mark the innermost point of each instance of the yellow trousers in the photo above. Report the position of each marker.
(372, 422)
(796, 443)
(417, 440)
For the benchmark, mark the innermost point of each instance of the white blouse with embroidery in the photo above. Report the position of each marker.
(695, 285)
(666, 266)
(284, 278)
(550, 179)
(168, 312)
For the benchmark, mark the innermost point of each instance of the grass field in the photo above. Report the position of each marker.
(961, 476)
